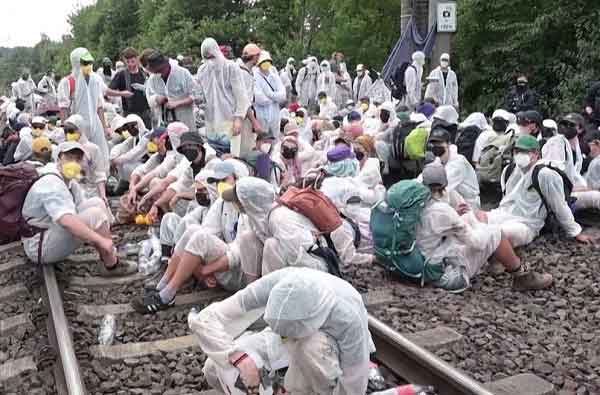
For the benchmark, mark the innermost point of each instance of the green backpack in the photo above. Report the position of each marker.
(495, 157)
(394, 226)
(415, 144)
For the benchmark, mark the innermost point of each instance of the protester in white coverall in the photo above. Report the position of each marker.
(24, 89)
(170, 91)
(88, 102)
(64, 218)
(362, 83)
(47, 87)
(278, 238)
(326, 80)
(306, 82)
(412, 80)
(385, 133)
(269, 94)
(522, 213)
(321, 317)
(592, 176)
(127, 155)
(288, 76)
(559, 150)
(461, 175)
(443, 85)
(221, 86)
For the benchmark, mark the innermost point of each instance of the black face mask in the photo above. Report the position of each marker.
(547, 133)
(134, 131)
(438, 150)
(568, 131)
(521, 87)
(202, 198)
(288, 153)
(499, 125)
(190, 153)
(359, 155)
(384, 116)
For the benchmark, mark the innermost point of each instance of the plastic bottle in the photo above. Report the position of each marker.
(107, 330)
(409, 389)
(150, 254)
(376, 379)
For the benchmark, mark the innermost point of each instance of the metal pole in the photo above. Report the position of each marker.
(69, 362)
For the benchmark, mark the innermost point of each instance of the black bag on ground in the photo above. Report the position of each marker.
(398, 85)
(465, 142)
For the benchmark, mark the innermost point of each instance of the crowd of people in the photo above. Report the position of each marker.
(224, 163)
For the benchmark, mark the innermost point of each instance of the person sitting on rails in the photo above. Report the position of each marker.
(522, 212)
(321, 319)
(55, 205)
(592, 176)
(464, 246)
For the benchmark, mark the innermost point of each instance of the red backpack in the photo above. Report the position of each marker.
(15, 182)
(314, 205)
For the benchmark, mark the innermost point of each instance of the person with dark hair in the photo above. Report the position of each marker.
(170, 90)
(521, 97)
(129, 84)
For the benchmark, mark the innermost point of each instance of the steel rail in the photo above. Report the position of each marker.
(69, 364)
(417, 365)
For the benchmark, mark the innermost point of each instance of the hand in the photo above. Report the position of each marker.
(585, 239)
(237, 126)
(153, 214)
(482, 216)
(161, 100)
(172, 104)
(126, 94)
(174, 201)
(131, 198)
(142, 202)
(249, 372)
(589, 110)
(463, 208)
(107, 251)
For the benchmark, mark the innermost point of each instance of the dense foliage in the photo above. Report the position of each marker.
(553, 41)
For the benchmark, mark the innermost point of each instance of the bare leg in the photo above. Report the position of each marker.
(505, 254)
(171, 269)
(185, 270)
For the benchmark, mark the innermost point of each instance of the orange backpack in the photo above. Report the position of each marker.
(314, 205)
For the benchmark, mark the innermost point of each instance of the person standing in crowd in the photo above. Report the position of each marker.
(443, 84)
(170, 90)
(269, 94)
(412, 80)
(521, 97)
(221, 86)
(326, 80)
(306, 82)
(88, 102)
(106, 72)
(129, 84)
(592, 103)
(288, 78)
(47, 88)
(362, 83)
(24, 89)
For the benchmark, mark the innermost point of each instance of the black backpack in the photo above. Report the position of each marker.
(401, 131)
(465, 142)
(397, 80)
(552, 225)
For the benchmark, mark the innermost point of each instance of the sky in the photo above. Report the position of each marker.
(23, 21)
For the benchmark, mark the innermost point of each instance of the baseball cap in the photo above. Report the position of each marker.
(70, 146)
(434, 174)
(157, 132)
(527, 142)
(251, 49)
(439, 134)
(575, 118)
(38, 119)
(86, 57)
(530, 116)
(221, 171)
(39, 143)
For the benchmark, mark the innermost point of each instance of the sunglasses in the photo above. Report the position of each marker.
(86, 63)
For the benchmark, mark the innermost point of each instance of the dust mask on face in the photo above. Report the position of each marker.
(71, 170)
(87, 70)
(444, 63)
(522, 160)
(265, 148)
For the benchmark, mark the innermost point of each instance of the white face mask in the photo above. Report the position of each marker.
(265, 148)
(522, 160)
(444, 63)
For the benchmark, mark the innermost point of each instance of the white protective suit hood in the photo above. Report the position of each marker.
(475, 119)
(175, 130)
(325, 66)
(289, 65)
(313, 65)
(256, 197)
(210, 47)
(297, 307)
(76, 55)
(447, 114)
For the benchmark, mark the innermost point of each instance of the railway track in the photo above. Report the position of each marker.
(145, 360)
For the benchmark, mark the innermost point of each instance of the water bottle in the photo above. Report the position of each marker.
(107, 330)
(376, 379)
(409, 389)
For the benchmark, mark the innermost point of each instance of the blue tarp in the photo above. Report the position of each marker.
(410, 41)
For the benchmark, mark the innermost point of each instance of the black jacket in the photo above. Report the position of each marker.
(521, 101)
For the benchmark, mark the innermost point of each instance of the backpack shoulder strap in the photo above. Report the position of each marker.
(535, 182)
(506, 175)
